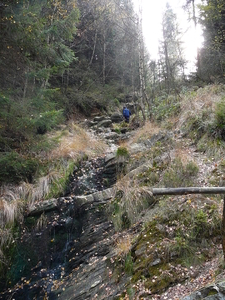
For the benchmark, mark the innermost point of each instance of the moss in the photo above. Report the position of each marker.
(122, 151)
(30, 223)
(157, 253)
(212, 293)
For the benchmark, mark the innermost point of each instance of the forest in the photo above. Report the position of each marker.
(63, 62)
(63, 57)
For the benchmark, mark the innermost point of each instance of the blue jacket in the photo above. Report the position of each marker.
(126, 113)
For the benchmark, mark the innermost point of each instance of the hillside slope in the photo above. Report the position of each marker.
(114, 240)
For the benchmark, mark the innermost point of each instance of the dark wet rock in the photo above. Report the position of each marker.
(88, 177)
(113, 167)
(124, 130)
(43, 206)
(76, 241)
(215, 291)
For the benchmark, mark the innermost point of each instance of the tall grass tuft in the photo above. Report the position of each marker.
(128, 203)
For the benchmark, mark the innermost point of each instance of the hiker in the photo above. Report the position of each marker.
(126, 114)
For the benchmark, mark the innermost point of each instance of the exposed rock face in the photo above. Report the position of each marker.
(214, 291)
(43, 206)
(85, 255)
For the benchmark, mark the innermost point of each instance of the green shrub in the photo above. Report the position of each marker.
(47, 120)
(220, 118)
(165, 106)
(200, 223)
(128, 265)
(14, 168)
(122, 151)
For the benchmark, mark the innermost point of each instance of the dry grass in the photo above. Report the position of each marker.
(203, 99)
(77, 141)
(123, 245)
(134, 200)
(146, 132)
(10, 211)
(182, 153)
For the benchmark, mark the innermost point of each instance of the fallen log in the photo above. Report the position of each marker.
(188, 190)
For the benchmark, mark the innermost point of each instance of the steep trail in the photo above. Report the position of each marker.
(78, 256)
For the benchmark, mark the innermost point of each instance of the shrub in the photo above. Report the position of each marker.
(220, 118)
(15, 168)
(47, 120)
(122, 151)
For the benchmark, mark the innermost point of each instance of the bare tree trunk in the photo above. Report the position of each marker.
(141, 63)
(93, 52)
(188, 190)
(104, 55)
(198, 51)
(25, 84)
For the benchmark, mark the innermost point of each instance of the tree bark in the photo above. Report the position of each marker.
(95, 42)
(141, 62)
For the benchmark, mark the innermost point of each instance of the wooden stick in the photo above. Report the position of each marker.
(223, 228)
(188, 190)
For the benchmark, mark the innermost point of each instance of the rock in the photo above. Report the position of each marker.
(221, 286)
(110, 157)
(143, 168)
(116, 117)
(100, 118)
(131, 107)
(215, 291)
(112, 136)
(101, 196)
(155, 262)
(124, 130)
(105, 123)
(44, 206)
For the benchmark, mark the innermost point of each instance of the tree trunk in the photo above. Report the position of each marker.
(188, 190)
(93, 52)
(104, 56)
(141, 63)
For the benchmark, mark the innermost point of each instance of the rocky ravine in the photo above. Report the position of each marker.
(67, 249)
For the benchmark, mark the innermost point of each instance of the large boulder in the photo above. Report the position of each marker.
(116, 117)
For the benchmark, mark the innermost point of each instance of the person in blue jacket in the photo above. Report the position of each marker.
(126, 114)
